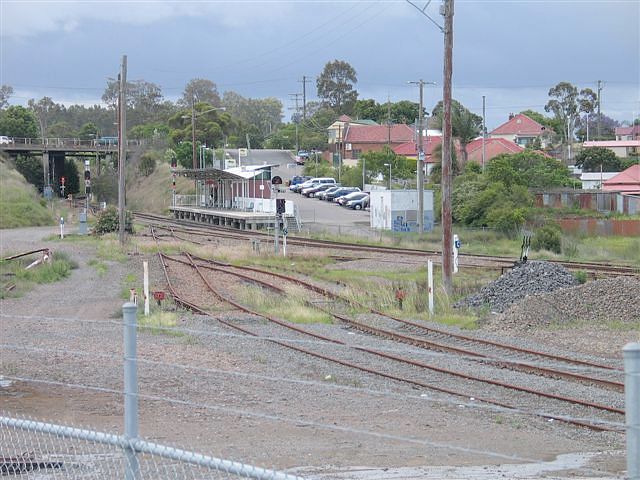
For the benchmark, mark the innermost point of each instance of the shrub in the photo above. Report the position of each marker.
(580, 276)
(108, 221)
(147, 164)
(547, 238)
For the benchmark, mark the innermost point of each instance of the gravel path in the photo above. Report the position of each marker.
(222, 393)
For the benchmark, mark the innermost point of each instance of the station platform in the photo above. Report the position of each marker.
(224, 217)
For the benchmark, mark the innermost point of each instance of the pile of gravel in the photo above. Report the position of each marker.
(523, 280)
(609, 301)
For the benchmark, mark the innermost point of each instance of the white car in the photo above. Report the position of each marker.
(4, 140)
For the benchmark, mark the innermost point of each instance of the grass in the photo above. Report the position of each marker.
(100, 267)
(129, 282)
(20, 204)
(291, 308)
(159, 322)
(13, 272)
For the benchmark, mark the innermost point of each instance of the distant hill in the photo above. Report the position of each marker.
(20, 203)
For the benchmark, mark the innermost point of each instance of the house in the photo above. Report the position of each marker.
(492, 147)
(336, 131)
(522, 130)
(626, 182)
(410, 150)
(594, 180)
(359, 139)
(628, 133)
(622, 148)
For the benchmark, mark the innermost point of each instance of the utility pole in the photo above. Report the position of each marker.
(296, 96)
(304, 81)
(599, 101)
(193, 132)
(421, 156)
(447, 245)
(484, 133)
(122, 129)
(389, 121)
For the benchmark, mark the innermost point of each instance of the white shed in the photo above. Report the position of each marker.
(397, 210)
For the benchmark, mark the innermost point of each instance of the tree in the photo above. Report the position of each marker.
(368, 109)
(607, 127)
(335, 86)
(199, 90)
(405, 111)
(593, 159)
(31, 169)
(44, 110)
(5, 93)
(551, 124)
(566, 104)
(88, 131)
(465, 125)
(265, 114)
(17, 121)
(144, 100)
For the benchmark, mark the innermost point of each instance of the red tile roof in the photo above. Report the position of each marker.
(519, 125)
(627, 181)
(634, 130)
(493, 147)
(379, 134)
(410, 149)
(344, 118)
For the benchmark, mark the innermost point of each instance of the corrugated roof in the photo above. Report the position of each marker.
(612, 143)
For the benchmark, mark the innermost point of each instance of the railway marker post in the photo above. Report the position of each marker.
(430, 284)
(632, 407)
(61, 228)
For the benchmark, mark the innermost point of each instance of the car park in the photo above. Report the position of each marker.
(312, 183)
(350, 196)
(339, 192)
(311, 192)
(358, 203)
(322, 195)
(296, 180)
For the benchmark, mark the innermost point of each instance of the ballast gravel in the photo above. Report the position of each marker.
(526, 279)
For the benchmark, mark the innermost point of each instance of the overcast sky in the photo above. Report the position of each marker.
(510, 51)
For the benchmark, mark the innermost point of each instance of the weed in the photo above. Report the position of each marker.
(159, 322)
(580, 276)
(100, 267)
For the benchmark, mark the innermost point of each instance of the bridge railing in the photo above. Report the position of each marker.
(93, 144)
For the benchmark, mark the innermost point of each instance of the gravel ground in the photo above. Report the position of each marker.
(218, 392)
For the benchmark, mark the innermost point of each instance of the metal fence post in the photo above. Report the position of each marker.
(129, 311)
(632, 407)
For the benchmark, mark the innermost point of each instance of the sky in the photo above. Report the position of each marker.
(510, 51)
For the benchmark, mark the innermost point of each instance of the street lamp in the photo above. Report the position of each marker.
(389, 165)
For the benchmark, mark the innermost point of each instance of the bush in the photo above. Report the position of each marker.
(506, 220)
(147, 164)
(108, 221)
(547, 238)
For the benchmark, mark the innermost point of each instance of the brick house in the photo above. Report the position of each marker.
(359, 139)
(626, 182)
(522, 130)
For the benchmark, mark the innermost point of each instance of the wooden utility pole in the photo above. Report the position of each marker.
(447, 244)
(122, 150)
(304, 81)
(421, 155)
(599, 116)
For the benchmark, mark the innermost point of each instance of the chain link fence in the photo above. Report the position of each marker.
(32, 449)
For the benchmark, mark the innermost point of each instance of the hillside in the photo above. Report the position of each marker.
(20, 204)
(153, 193)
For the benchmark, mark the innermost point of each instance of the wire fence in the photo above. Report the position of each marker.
(40, 450)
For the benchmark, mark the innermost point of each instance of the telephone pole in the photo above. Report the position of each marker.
(447, 244)
(296, 96)
(599, 90)
(122, 142)
(421, 156)
(304, 81)
(484, 130)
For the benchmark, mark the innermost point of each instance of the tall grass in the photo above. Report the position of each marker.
(13, 272)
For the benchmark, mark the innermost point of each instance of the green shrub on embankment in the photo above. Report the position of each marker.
(20, 204)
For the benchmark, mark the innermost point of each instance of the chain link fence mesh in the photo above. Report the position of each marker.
(36, 450)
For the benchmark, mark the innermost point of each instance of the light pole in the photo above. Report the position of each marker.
(194, 159)
(389, 165)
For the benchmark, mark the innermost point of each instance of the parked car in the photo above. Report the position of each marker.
(339, 192)
(4, 140)
(322, 195)
(312, 183)
(350, 196)
(311, 192)
(297, 180)
(358, 203)
(302, 157)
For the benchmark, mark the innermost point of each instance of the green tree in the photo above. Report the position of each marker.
(147, 163)
(368, 109)
(596, 158)
(70, 172)
(465, 125)
(31, 169)
(336, 86)
(405, 111)
(528, 169)
(199, 90)
(5, 93)
(88, 131)
(550, 124)
(17, 121)
(44, 109)
(566, 104)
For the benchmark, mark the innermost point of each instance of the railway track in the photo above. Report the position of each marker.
(192, 263)
(177, 227)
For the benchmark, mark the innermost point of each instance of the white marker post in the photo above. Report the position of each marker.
(61, 228)
(145, 267)
(456, 248)
(430, 284)
(284, 242)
